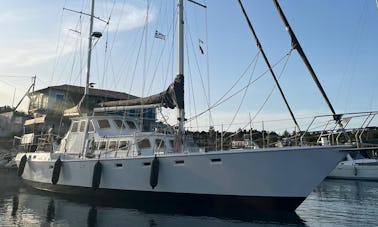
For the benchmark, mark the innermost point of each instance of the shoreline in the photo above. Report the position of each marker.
(7, 153)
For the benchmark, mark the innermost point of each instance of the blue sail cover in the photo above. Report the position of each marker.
(171, 98)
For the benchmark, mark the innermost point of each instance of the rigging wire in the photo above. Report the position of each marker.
(79, 49)
(57, 45)
(148, 61)
(224, 98)
(157, 64)
(297, 46)
(188, 33)
(136, 61)
(271, 92)
(191, 89)
(211, 120)
(77, 29)
(145, 48)
(110, 49)
(107, 51)
(245, 93)
(352, 58)
(266, 99)
(126, 63)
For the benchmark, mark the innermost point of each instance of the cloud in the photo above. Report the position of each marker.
(6, 17)
(21, 50)
(126, 17)
(30, 52)
(12, 16)
(123, 17)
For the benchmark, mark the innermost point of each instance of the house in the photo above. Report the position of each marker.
(11, 121)
(47, 106)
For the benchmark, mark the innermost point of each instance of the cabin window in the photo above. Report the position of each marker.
(178, 162)
(131, 124)
(119, 165)
(216, 160)
(112, 145)
(102, 145)
(124, 145)
(120, 124)
(160, 143)
(172, 143)
(145, 143)
(91, 127)
(82, 126)
(74, 126)
(95, 145)
(103, 123)
(59, 97)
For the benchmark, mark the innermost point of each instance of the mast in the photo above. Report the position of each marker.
(76, 110)
(180, 69)
(296, 45)
(31, 88)
(86, 91)
(267, 63)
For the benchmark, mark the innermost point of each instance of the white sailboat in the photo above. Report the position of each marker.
(356, 168)
(110, 155)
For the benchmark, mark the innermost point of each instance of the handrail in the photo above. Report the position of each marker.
(333, 131)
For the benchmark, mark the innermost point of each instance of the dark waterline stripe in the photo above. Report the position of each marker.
(178, 200)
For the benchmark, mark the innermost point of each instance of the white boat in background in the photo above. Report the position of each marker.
(356, 168)
(109, 155)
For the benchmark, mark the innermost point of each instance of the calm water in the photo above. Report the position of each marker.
(333, 203)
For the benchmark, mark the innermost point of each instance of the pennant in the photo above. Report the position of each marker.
(201, 50)
(200, 47)
(159, 35)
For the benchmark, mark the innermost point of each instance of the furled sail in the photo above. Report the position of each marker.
(81, 107)
(171, 98)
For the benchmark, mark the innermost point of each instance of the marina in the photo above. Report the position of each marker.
(104, 144)
(169, 151)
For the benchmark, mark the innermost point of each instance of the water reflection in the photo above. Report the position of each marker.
(342, 202)
(24, 206)
(14, 206)
(92, 216)
(334, 202)
(50, 215)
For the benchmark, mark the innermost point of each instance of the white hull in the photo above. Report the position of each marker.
(360, 169)
(268, 173)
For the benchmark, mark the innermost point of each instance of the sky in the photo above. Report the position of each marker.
(40, 38)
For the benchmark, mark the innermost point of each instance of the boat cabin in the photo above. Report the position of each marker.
(113, 136)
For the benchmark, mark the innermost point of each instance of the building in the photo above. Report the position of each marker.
(11, 121)
(47, 106)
